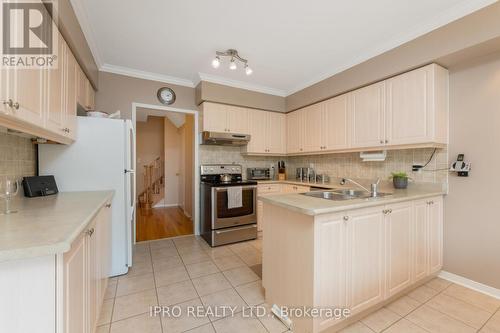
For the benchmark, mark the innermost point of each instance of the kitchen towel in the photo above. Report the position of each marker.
(234, 197)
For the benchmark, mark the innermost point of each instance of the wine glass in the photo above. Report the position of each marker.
(8, 189)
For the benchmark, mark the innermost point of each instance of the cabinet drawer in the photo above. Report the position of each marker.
(268, 189)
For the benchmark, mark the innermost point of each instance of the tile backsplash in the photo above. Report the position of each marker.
(342, 165)
(17, 156)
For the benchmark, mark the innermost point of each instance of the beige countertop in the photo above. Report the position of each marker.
(47, 225)
(316, 206)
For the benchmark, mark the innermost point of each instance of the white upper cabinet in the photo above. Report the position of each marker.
(367, 116)
(42, 102)
(416, 107)
(267, 133)
(334, 123)
(257, 121)
(214, 117)
(224, 118)
(295, 132)
(55, 91)
(312, 127)
(276, 133)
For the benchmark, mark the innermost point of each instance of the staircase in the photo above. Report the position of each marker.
(154, 184)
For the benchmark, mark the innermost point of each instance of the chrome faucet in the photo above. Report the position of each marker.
(373, 187)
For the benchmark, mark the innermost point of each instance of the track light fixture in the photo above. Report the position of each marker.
(233, 54)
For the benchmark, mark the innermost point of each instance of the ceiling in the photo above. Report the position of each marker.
(289, 44)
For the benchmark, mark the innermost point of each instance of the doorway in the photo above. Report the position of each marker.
(166, 172)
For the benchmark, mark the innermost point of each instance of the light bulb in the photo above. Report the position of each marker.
(232, 65)
(248, 70)
(216, 62)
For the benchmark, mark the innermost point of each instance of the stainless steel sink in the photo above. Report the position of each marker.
(341, 194)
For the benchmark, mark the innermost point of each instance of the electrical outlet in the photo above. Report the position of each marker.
(417, 167)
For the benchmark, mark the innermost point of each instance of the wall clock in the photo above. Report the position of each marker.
(166, 96)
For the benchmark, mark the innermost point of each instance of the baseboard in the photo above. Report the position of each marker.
(482, 288)
(162, 205)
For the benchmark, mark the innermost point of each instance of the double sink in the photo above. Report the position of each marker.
(344, 194)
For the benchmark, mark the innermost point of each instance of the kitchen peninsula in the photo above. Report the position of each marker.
(357, 254)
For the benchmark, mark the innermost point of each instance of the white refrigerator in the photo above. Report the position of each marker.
(101, 158)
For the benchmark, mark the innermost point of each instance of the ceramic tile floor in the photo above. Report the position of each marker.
(185, 271)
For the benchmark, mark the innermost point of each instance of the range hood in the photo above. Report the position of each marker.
(224, 139)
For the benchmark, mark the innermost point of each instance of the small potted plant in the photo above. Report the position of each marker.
(399, 179)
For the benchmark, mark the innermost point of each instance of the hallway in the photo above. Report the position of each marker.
(162, 222)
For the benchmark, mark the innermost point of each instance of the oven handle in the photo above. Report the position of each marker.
(218, 232)
(222, 189)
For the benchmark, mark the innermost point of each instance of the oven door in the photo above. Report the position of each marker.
(223, 217)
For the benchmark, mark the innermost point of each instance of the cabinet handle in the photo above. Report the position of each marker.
(90, 232)
(381, 141)
(16, 105)
(387, 211)
(386, 141)
(108, 205)
(346, 218)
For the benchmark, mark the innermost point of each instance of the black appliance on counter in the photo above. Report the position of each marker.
(39, 186)
(219, 224)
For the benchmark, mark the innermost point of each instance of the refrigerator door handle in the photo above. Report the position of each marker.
(129, 171)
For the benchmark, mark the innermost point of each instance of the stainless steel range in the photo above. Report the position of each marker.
(223, 222)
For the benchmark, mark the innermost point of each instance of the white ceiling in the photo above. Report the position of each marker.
(290, 44)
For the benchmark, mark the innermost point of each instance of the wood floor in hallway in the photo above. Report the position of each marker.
(160, 223)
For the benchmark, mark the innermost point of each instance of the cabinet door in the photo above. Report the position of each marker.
(75, 277)
(367, 113)
(55, 113)
(366, 258)
(294, 126)
(312, 127)
(276, 133)
(70, 88)
(5, 75)
(421, 240)
(237, 119)
(408, 105)
(435, 234)
(214, 117)
(81, 96)
(330, 241)
(90, 96)
(258, 131)
(334, 123)
(399, 253)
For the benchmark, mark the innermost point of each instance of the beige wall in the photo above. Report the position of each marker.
(218, 93)
(435, 46)
(172, 163)
(118, 92)
(472, 222)
(149, 146)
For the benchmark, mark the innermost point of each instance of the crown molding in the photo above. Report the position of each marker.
(82, 17)
(240, 85)
(460, 10)
(146, 75)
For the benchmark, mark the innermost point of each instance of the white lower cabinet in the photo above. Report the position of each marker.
(399, 252)
(365, 256)
(276, 188)
(86, 268)
(365, 253)
(65, 289)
